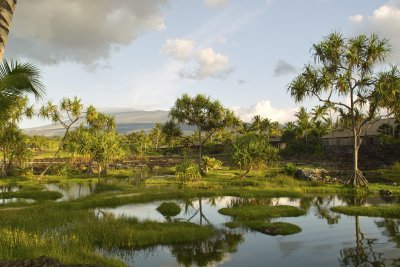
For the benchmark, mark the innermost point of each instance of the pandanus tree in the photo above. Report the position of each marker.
(66, 113)
(7, 8)
(344, 76)
(206, 115)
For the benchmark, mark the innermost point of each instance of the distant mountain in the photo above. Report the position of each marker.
(127, 121)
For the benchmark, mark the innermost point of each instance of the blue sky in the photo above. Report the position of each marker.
(144, 54)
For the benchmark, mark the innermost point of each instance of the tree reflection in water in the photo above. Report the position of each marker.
(369, 251)
(208, 252)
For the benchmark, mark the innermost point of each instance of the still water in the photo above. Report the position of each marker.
(326, 239)
(72, 191)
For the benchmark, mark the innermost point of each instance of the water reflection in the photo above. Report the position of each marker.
(370, 251)
(209, 252)
(72, 191)
(327, 239)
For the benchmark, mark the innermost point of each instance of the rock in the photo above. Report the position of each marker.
(384, 192)
(316, 175)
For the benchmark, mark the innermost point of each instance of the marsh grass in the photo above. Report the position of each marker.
(73, 235)
(371, 211)
(262, 211)
(35, 195)
(169, 209)
(268, 228)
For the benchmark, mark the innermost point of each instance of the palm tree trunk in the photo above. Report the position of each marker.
(7, 8)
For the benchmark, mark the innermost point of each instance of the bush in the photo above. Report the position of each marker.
(289, 169)
(169, 209)
(211, 164)
(187, 170)
(396, 167)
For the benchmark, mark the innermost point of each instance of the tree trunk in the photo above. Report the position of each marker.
(200, 154)
(357, 178)
(99, 171)
(245, 173)
(7, 8)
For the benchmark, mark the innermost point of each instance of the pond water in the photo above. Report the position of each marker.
(326, 239)
(72, 191)
(5, 189)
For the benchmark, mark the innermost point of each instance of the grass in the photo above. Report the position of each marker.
(169, 209)
(35, 195)
(371, 211)
(71, 232)
(275, 228)
(262, 211)
(73, 235)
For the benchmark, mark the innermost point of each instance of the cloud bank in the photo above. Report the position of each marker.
(265, 109)
(80, 31)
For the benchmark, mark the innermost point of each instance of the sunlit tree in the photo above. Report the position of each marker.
(346, 68)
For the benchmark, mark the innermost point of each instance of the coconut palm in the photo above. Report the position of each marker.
(303, 122)
(16, 80)
(7, 8)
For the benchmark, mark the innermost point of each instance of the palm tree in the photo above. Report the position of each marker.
(303, 121)
(256, 123)
(7, 8)
(17, 79)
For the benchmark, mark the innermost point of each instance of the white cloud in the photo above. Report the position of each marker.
(384, 21)
(222, 40)
(216, 3)
(356, 18)
(265, 109)
(202, 63)
(81, 31)
(179, 49)
(210, 65)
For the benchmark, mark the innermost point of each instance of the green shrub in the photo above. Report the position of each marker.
(169, 209)
(187, 170)
(396, 167)
(289, 169)
(211, 164)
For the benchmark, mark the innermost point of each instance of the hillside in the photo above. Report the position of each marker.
(126, 122)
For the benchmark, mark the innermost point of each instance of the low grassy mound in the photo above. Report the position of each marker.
(276, 228)
(262, 211)
(35, 195)
(169, 209)
(371, 211)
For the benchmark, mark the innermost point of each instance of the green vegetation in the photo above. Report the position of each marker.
(345, 67)
(275, 228)
(169, 209)
(35, 195)
(26, 233)
(371, 211)
(262, 211)
(252, 150)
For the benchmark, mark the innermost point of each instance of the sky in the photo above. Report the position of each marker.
(143, 55)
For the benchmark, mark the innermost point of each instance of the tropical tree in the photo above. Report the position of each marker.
(66, 113)
(346, 68)
(206, 115)
(7, 8)
(13, 143)
(97, 140)
(251, 150)
(16, 80)
(303, 122)
(171, 131)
